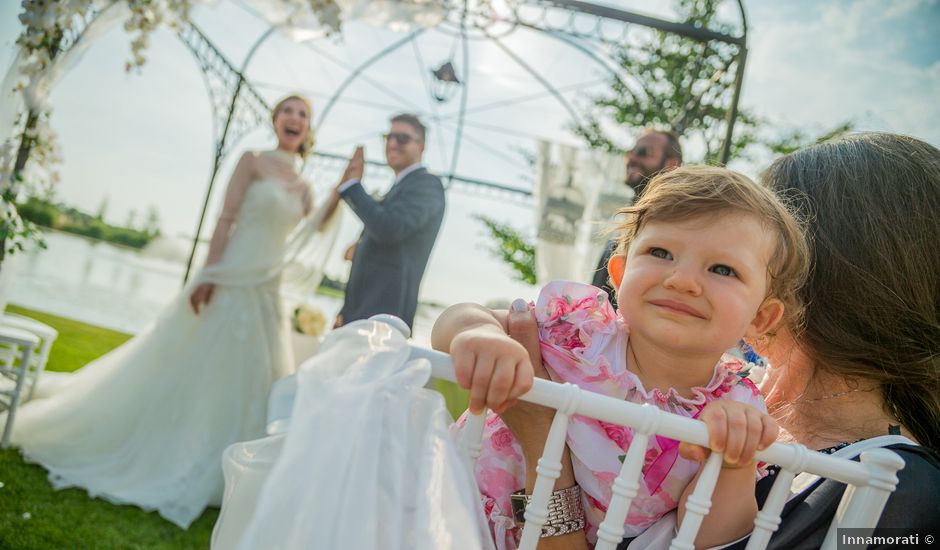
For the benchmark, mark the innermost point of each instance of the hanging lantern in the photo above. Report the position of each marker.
(445, 82)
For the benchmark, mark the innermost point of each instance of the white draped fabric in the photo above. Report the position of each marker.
(577, 193)
(309, 248)
(366, 463)
(36, 95)
(147, 423)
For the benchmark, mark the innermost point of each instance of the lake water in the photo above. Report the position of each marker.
(121, 288)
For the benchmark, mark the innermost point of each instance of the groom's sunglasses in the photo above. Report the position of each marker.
(399, 137)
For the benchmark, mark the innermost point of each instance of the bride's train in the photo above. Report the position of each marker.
(147, 423)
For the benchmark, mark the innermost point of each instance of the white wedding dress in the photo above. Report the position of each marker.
(147, 423)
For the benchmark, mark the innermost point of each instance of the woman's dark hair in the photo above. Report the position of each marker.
(872, 202)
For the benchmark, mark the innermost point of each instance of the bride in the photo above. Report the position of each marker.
(147, 423)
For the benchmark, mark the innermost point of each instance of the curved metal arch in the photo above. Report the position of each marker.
(546, 84)
(365, 77)
(72, 37)
(569, 40)
(701, 34)
(626, 16)
(601, 12)
(591, 55)
(68, 40)
(463, 104)
(738, 83)
(222, 65)
(75, 35)
(254, 47)
(435, 116)
(358, 70)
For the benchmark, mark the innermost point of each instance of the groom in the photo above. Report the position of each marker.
(392, 253)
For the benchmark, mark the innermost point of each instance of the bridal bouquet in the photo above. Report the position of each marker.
(309, 320)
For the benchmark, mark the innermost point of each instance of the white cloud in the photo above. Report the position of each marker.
(846, 62)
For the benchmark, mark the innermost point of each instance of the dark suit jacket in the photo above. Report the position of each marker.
(394, 247)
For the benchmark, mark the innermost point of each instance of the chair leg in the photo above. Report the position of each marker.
(43, 357)
(15, 398)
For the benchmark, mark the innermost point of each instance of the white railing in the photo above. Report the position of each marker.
(870, 481)
(20, 344)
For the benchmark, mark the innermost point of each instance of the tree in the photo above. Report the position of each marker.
(671, 81)
(102, 209)
(46, 26)
(512, 248)
(676, 83)
(684, 85)
(152, 223)
(798, 139)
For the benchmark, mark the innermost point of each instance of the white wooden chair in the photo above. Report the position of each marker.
(870, 481)
(21, 345)
(47, 336)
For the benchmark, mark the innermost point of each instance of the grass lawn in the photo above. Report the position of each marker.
(332, 292)
(35, 517)
(455, 397)
(78, 343)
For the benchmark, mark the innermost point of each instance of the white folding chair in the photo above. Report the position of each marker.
(21, 345)
(47, 336)
(870, 482)
(283, 391)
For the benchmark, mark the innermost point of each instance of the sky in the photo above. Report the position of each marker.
(146, 139)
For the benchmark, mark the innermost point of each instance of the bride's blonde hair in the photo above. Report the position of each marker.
(307, 145)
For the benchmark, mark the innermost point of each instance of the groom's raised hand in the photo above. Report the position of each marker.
(355, 167)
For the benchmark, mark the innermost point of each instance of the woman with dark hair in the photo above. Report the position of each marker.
(863, 369)
(866, 361)
(872, 333)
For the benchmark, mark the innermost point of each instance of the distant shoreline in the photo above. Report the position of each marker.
(329, 287)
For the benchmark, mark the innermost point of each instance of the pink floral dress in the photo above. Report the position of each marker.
(584, 341)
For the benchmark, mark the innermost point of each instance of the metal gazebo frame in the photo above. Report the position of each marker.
(238, 107)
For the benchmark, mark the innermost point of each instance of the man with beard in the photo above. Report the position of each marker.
(656, 151)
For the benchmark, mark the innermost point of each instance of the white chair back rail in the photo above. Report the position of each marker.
(22, 343)
(870, 482)
(40, 357)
